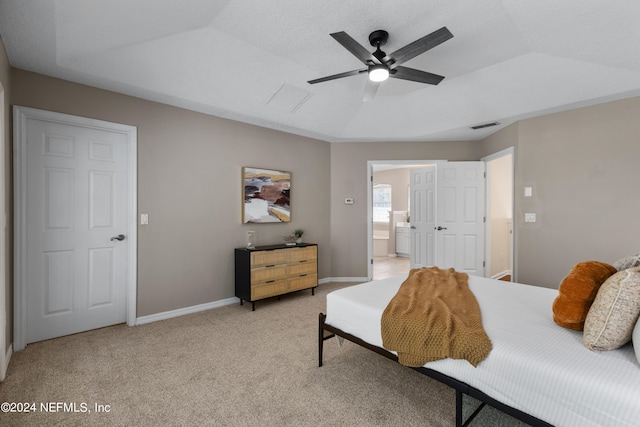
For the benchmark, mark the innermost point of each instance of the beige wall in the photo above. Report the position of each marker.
(189, 181)
(6, 288)
(583, 168)
(349, 179)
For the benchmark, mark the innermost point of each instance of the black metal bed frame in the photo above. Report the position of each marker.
(460, 387)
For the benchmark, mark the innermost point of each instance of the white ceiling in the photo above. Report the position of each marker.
(249, 60)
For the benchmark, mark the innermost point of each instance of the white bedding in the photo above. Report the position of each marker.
(535, 365)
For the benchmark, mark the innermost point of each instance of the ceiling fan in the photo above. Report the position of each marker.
(381, 66)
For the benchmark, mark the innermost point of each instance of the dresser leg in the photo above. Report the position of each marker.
(253, 306)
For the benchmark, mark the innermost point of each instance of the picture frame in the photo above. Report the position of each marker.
(266, 195)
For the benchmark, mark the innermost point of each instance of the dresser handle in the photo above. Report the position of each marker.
(304, 260)
(269, 281)
(302, 275)
(269, 266)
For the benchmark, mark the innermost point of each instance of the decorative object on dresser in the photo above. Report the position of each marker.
(268, 271)
(289, 239)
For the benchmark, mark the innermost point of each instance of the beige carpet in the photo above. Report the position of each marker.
(226, 366)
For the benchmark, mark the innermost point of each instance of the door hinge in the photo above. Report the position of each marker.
(484, 219)
(484, 174)
(484, 263)
(371, 261)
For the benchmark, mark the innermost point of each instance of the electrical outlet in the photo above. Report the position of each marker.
(529, 217)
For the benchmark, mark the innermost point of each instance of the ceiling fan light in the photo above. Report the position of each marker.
(378, 73)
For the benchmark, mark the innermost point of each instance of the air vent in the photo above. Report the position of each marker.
(485, 125)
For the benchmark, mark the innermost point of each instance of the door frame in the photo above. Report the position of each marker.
(404, 164)
(510, 151)
(5, 351)
(20, 117)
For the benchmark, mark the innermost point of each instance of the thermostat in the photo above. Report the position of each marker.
(348, 201)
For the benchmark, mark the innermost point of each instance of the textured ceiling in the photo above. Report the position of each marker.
(249, 60)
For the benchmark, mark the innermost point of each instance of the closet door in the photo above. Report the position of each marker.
(75, 225)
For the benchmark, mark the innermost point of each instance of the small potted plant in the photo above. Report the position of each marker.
(298, 233)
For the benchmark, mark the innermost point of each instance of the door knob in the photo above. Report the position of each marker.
(118, 237)
(413, 227)
(440, 228)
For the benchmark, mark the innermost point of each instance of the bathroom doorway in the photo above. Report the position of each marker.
(389, 216)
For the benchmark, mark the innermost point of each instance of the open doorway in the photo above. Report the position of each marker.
(499, 253)
(388, 219)
(499, 223)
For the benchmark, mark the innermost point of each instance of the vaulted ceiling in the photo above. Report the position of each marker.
(250, 60)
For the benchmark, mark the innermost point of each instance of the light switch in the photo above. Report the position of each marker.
(529, 217)
(144, 219)
(348, 201)
(528, 191)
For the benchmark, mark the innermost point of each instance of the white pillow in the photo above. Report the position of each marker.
(614, 313)
(635, 338)
(627, 262)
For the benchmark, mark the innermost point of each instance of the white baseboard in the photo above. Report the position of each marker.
(221, 303)
(187, 310)
(3, 369)
(344, 279)
(501, 274)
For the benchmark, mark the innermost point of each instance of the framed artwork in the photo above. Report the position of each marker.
(266, 195)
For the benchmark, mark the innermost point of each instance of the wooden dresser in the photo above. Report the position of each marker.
(268, 271)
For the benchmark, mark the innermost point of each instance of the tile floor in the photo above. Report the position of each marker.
(389, 266)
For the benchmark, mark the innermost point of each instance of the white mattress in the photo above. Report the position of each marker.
(535, 365)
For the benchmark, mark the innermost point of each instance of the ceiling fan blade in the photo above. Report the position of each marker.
(337, 76)
(414, 75)
(354, 47)
(421, 45)
(370, 90)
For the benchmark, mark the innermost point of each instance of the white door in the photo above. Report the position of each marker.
(460, 217)
(76, 228)
(422, 211)
(447, 216)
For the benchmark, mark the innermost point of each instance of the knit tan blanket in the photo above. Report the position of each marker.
(434, 315)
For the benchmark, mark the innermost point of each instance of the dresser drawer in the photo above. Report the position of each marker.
(302, 267)
(271, 272)
(268, 289)
(278, 256)
(297, 254)
(303, 282)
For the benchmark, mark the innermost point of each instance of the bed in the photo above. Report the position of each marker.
(537, 371)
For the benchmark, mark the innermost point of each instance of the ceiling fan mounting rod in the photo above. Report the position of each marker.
(378, 38)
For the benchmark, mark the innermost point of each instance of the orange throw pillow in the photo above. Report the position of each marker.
(577, 292)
